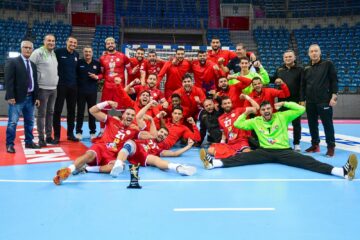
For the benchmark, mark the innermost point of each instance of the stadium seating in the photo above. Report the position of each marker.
(222, 33)
(60, 30)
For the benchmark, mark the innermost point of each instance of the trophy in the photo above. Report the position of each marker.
(134, 176)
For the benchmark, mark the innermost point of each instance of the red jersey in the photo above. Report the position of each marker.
(226, 121)
(226, 54)
(113, 65)
(269, 94)
(188, 100)
(177, 131)
(134, 62)
(152, 146)
(174, 74)
(116, 134)
(205, 75)
(169, 110)
(235, 90)
(156, 93)
(150, 67)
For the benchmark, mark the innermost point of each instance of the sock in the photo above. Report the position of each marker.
(217, 163)
(94, 169)
(173, 166)
(338, 171)
(72, 168)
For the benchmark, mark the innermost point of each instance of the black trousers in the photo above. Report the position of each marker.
(284, 156)
(325, 112)
(90, 100)
(70, 95)
(296, 130)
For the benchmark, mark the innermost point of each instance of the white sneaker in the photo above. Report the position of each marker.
(92, 136)
(186, 170)
(297, 148)
(79, 136)
(117, 169)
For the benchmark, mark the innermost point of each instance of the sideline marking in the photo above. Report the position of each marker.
(221, 209)
(188, 180)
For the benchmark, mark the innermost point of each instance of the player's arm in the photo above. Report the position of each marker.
(242, 122)
(130, 87)
(96, 110)
(162, 73)
(264, 75)
(140, 116)
(283, 92)
(250, 100)
(223, 137)
(295, 110)
(169, 153)
(195, 135)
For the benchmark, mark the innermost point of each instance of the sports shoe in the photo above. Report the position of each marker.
(350, 167)
(330, 152)
(206, 159)
(79, 136)
(185, 170)
(117, 169)
(297, 148)
(61, 175)
(313, 149)
(81, 170)
(92, 136)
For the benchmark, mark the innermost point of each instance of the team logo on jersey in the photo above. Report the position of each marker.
(118, 59)
(233, 115)
(128, 132)
(271, 140)
(158, 69)
(112, 146)
(275, 127)
(155, 95)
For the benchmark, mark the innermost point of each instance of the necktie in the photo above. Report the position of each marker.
(28, 74)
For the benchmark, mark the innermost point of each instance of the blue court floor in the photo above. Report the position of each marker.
(252, 202)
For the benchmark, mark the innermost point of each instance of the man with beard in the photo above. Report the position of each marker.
(101, 155)
(175, 102)
(218, 55)
(174, 70)
(233, 140)
(135, 65)
(205, 72)
(191, 97)
(234, 64)
(291, 73)
(272, 130)
(152, 65)
(147, 152)
(209, 122)
(233, 91)
(245, 72)
(113, 65)
(261, 94)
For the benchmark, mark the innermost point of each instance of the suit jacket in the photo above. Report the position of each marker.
(16, 80)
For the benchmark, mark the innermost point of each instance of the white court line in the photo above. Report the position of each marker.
(189, 180)
(221, 209)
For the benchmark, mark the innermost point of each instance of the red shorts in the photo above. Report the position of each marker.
(224, 150)
(139, 156)
(103, 155)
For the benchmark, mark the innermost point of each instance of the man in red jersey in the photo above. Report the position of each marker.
(152, 65)
(148, 152)
(205, 72)
(233, 140)
(156, 94)
(234, 64)
(174, 70)
(192, 97)
(260, 94)
(175, 102)
(218, 55)
(113, 64)
(177, 130)
(233, 91)
(101, 155)
(135, 64)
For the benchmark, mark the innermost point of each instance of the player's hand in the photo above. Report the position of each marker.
(93, 76)
(221, 61)
(243, 96)
(117, 80)
(37, 103)
(257, 64)
(190, 142)
(161, 114)
(278, 105)
(250, 110)
(216, 67)
(135, 82)
(112, 104)
(175, 61)
(153, 103)
(302, 103)
(252, 57)
(333, 101)
(231, 76)
(165, 104)
(197, 99)
(212, 92)
(191, 121)
(11, 101)
(278, 81)
(135, 69)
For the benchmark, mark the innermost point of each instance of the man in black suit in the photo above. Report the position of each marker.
(21, 95)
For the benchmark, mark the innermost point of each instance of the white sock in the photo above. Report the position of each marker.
(217, 163)
(118, 163)
(72, 168)
(173, 166)
(94, 169)
(338, 171)
(102, 130)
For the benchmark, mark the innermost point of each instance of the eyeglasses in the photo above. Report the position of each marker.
(28, 48)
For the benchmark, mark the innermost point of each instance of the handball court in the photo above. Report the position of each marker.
(252, 202)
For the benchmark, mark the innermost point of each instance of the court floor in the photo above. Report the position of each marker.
(252, 202)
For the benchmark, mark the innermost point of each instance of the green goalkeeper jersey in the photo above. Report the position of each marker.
(264, 76)
(272, 134)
